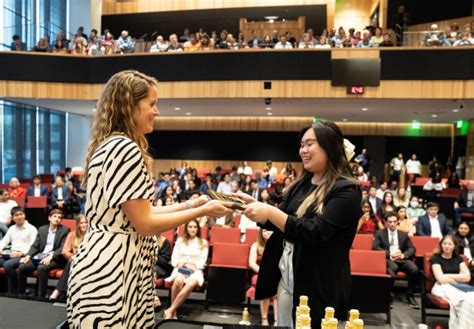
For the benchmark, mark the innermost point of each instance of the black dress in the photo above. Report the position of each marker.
(321, 267)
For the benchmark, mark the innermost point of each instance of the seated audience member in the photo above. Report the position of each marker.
(191, 190)
(224, 186)
(125, 42)
(386, 42)
(265, 197)
(262, 182)
(17, 45)
(45, 254)
(369, 222)
(253, 189)
(225, 221)
(188, 259)
(93, 47)
(323, 43)
(283, 43)
(174, 45)
(366, 41)
(413, 169)
(466, 245)
(192, 45)
(108, 45)
(365, 193)
(452, 282)
(464, 203)
(255, 41)
(15, 190)
(79, 193)
(19, 238)
(40, 46)
(208, 184)
(433, 188)
(186, 35)
(432, 224)
(267, 43)
(159, 46)
(373, 200)
(377, 38)
(453, 180)
(401, 197)
(361, 176)
(356, 39)
(6, 206)
(163, 263)
(434, 37)
(37, 189)
(60, 194)
(78, 46)
(245, 169)
(241, 43)
(415, 209)
(73, 240)
(383, 187)
(207, 43)
(399, 249)
(255, 257)
(404, 223)
(234, 187)
(386, 205)
(218, 176)
(466, 40)
(277, 194)
(374, 182)
(59, 47)
(272, 171)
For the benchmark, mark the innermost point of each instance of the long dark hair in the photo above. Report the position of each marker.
(372, 216)
(330, 139)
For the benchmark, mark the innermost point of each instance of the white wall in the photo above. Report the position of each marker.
(78, 132)
(79, 15)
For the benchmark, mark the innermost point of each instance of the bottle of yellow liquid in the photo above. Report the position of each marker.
(305, 321)
(329, 313)
(245, 317)
(353, 315)
(358, 324)
(302, 310)
(332, 323)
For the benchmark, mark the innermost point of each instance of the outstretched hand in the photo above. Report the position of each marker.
(216, 208)
(257, 212)
(244, 197)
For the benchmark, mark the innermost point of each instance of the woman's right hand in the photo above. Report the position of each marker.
(244, 197)
(216, 208)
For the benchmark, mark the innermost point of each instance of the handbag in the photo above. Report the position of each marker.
(185, 271)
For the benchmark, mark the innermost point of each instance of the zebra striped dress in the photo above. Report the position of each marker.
(111, 284)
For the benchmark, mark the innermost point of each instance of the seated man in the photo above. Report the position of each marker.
(464, 203)
(399, 250)
(37, 189)
(19, 237)
(125, 42)
(60, 195)
(432, 224)
(45, 254)
(6, 206)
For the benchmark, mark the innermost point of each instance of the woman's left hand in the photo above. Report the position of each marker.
(257, 211)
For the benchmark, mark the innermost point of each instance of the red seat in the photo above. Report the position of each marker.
(2, 270)
(37, 201)
(467, 215)
(159, 283)
(421, 181)
(169, 235)
(70, 223)
(401, 276)
(372, 262)
(363, 242)
(51, 274)
(59, 273)
(19, 200)
(251, 235)
(424, 244)
(225, 235)
(234, 255)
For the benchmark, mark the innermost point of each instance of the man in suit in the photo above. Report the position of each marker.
(37, 189)
(464, 203)
(399, 249)
(432, 224)
(256, 41)
(372, 198)
(61, 196)
(45, 254)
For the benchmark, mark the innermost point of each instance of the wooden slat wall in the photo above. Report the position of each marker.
(164, 165)
(295, 124)
(353, 13)
(406, 89)
(443, 24)
(112, 7)
(266, 28)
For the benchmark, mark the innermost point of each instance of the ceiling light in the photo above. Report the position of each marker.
(177, 108)
(365, 109)
(271, 17)
(268, 108)
(270, 21)
(434, 115)
(269, 113)
(455, 110)
(284, 20)
(188, 113)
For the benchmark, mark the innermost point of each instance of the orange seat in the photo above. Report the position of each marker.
(59, 273)
(363, 242)
(424, 244)
(251, 235)
(70, 223)
(37, 201)
(20, 200)
(169, 235)
(421, 181)
(372, 262)
(225, 235)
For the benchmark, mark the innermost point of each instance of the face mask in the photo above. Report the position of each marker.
(414, 204)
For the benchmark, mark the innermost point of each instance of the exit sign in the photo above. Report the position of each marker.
(355, 90)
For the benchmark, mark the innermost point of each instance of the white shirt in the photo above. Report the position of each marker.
(273, 171)
(380, 193)
(48, 249)
(5, 209)
(37, 190)
(20, 238)
(397, 164)
(373, 203)
(157, 47)
(224, 187)
(467, 250)
(435, 228)
(189, 252)
(414, 167)
(245, 170)
(393, 240)
(287, 45)
(60, 193)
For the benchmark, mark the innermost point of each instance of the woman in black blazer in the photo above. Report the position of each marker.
(308, 254)
(466, 245)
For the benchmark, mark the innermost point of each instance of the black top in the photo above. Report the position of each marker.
(321, 267)
(449, 266)
(163, 263)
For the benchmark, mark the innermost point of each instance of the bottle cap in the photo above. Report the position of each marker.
(329, 312)
(303, 300)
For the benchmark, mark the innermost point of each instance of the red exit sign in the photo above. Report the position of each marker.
(355, 90)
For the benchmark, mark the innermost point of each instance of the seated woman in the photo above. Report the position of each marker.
(401, 198)
(15, 190)
(188, 259)
(71, 245)
(386, 205)
(168, 193)
(369, 222)
(404, 223)
(452, 278)
(255, 256)
(466, 246)
(434, 188)
(265, 197)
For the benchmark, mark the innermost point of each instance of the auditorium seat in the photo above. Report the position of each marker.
(424, 244)
(227, 276)
(37, 202)
(363, 242)
(225, 234)
(20, 200)
(371, 285)
(251, 235)
(429, 301)
(169, 235)
(70, 223)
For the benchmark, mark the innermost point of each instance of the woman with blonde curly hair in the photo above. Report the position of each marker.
(111, 283)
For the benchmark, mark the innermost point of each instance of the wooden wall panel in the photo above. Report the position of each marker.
(266, 28)
(443, 24)
(352, 13)
(112, 7)
(409, 89)
(164, 165)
